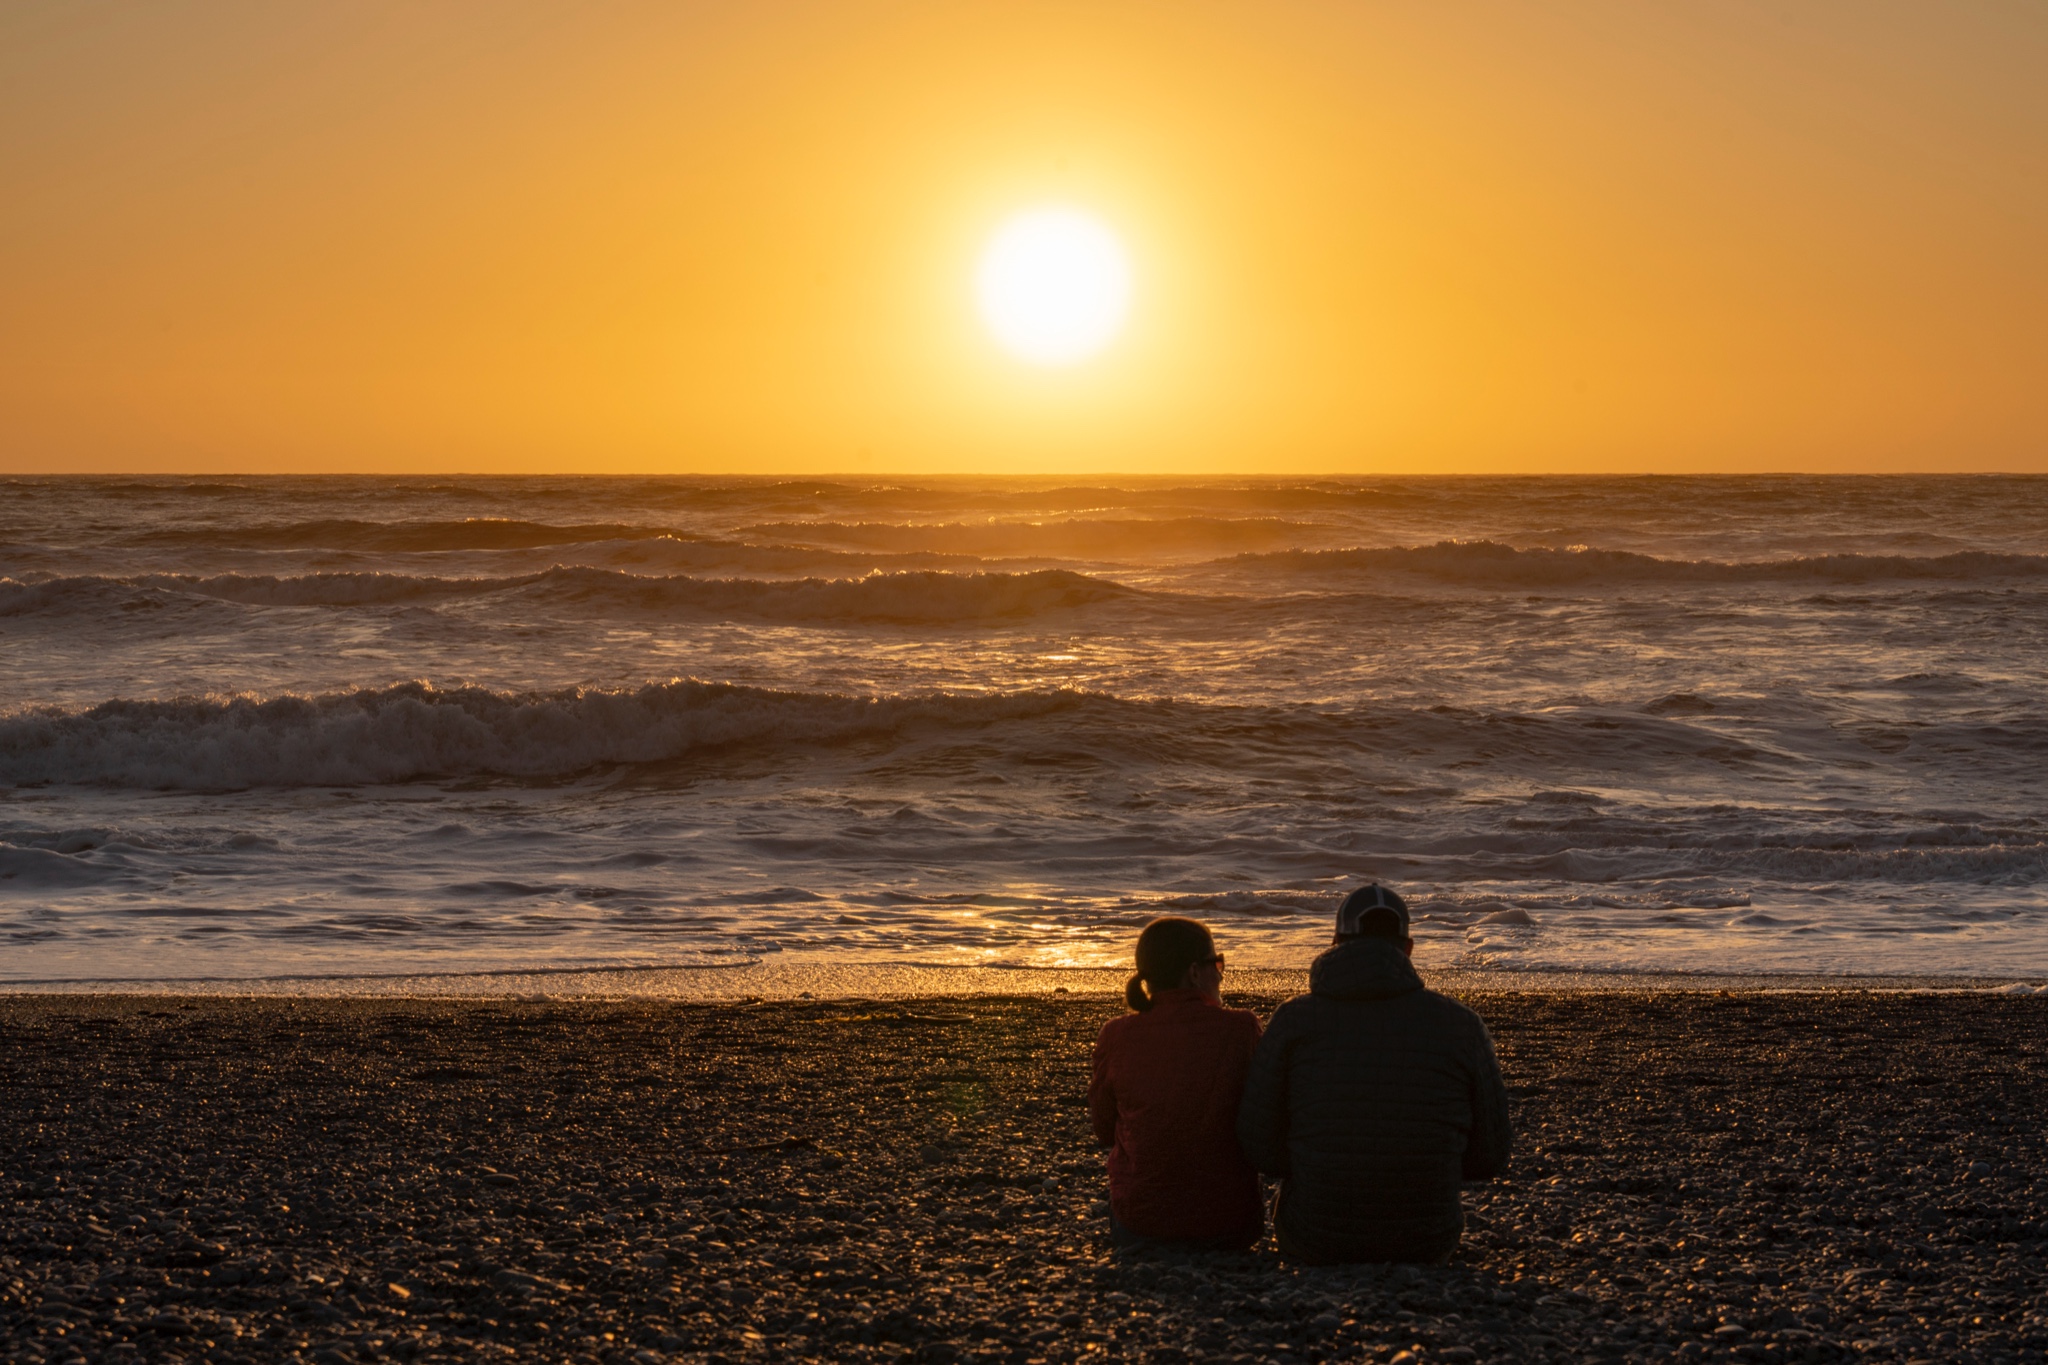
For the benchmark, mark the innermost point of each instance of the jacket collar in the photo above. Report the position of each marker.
(1181, 995)
(1363, 969)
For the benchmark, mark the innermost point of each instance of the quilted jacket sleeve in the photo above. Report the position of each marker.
(1262, 1114)
(1101, 1095)
(1486, 1147)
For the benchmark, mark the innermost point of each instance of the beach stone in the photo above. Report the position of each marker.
(1635, 1117)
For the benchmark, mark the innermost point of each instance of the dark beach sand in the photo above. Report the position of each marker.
(1766, 1177)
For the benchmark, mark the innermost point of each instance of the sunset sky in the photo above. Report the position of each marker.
(1361, 237)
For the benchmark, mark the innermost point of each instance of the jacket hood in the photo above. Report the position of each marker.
(1363, 969)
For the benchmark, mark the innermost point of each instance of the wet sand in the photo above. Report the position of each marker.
(1697, 1175)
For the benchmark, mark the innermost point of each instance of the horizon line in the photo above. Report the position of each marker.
(1150, 475)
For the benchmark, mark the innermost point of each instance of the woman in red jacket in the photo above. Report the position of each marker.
(1168, 1077)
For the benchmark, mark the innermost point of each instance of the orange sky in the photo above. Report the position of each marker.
(677, 237)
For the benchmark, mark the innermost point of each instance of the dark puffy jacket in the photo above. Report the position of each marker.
(1372, 1097)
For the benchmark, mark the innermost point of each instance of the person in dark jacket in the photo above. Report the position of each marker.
(1371, 1098)
(1164, 1097)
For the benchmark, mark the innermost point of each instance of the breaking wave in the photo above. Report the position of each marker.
(415, 730)
(681, 732)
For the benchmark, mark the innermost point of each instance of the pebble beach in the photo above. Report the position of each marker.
(1698, 1175)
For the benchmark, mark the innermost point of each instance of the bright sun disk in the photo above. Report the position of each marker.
(1054, 286)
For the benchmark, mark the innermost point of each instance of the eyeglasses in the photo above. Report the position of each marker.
(1216, 962)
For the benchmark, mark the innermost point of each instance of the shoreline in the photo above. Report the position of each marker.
(1696, 1176)
(824, 979)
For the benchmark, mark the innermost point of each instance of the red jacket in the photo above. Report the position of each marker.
(1164, 1097)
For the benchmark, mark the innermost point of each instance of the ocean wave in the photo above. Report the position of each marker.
(1256, 903)
(922, 596)
(1090, 538)
(738, 559)
(1054, 535)
(1682, 852)
(418, 731)
(2014, 864)
(1492, 564)
(615, 543)
(39, 870)
(415, 731)
(412, 536)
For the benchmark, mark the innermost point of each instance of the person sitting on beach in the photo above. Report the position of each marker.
(1371, 1098)
(1164, 1098)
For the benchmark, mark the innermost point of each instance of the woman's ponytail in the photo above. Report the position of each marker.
(1166, 950)
(1134, 994)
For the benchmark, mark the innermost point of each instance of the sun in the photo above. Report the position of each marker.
(1054, 286)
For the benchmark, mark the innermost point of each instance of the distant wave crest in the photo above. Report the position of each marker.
(1492, 564)
(922, 596)
(415, 536)
(1082, 537)
(1086, 536)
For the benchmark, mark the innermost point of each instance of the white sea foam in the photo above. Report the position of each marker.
(1752, 724)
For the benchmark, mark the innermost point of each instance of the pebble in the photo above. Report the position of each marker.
(1696, 1177)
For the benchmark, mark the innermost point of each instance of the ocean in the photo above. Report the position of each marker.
(268, 728)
